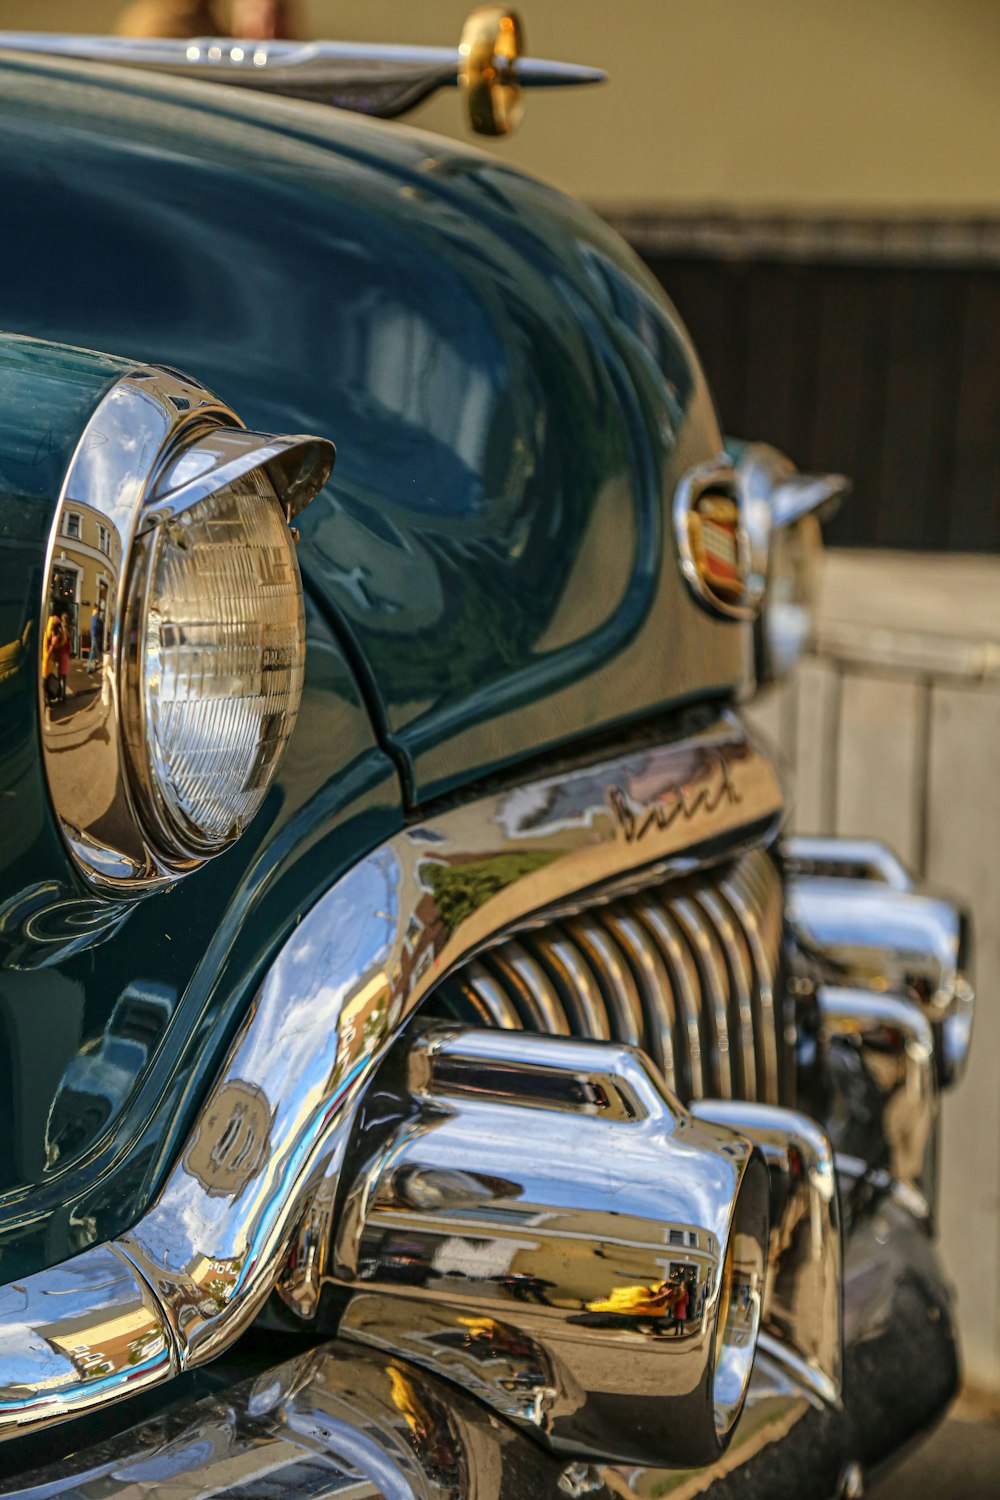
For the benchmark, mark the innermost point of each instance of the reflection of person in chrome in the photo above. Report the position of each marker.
(262, 20)
(257, 20)
(169, 18)
(64, 650)
(51, 647)
(683, 1297)
(96, 640)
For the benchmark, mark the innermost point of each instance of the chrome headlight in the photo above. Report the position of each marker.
(174, 526)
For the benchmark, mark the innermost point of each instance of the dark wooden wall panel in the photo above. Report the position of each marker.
(972, 499)
(889, 372)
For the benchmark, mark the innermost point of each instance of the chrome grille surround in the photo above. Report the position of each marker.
(688, 969)
(247, 1205)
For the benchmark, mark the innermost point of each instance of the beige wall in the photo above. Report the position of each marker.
(863, 105)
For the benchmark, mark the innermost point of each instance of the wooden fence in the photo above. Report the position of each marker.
(891, 729)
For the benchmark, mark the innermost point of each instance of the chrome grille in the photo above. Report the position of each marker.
(688, 970)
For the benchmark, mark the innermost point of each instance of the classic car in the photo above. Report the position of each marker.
(429, 1066)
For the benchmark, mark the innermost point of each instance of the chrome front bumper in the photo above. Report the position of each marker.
(340, 1421)
(537, 900)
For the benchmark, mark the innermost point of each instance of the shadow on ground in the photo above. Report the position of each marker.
(959, 1461)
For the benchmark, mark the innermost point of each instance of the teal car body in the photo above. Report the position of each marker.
(490, 573)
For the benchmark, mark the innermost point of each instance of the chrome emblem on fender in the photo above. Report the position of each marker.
(713, 543)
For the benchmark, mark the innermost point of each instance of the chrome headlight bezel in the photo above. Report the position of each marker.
(156, 446)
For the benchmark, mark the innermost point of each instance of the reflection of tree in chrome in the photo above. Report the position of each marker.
(460, 890)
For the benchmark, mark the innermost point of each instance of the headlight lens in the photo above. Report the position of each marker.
(220, 663)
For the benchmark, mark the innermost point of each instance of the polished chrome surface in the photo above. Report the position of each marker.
(346, 1422)
(88, 1324)
(850, 858)
(369, 79)
(156, 443)
(545, 1227)
(713, 541)
(337, 1423)
(686, 969)
(884, 1098)
(298, 467)
(273, 1131)
(802, 1321)
(775, 495)
(866, 935)
(783, 511)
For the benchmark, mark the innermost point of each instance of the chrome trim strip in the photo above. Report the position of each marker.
(653, 984)
(683, 985)
(579, 996)
(734, 889)
(534, 999)
(274, 1128)
(741, 1027)
(487, 998)
(621, 998)
(713, 988)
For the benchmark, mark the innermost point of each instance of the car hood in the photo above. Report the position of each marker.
(512, 396)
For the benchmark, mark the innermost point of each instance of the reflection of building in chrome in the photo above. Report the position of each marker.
(123, 1340)
(86, 562)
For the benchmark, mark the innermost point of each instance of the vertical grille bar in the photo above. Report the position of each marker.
(737, 890)
(534, 998)
(610, 968)
(683, 980)
(714, 983)
(655, 992)
(743, 1045)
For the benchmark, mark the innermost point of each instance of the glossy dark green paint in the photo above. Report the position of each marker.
(512, 397)
(512, 401)
(112, 1017)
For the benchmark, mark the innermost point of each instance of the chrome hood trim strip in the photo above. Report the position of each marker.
(270, 1138)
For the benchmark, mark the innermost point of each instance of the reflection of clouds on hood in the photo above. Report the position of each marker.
(522, 808)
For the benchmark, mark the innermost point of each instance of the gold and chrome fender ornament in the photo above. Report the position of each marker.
(713, 542)
(198, 648)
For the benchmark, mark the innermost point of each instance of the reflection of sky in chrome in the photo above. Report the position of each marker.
(621, 1170)
(292, 1048)
(112, 464)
